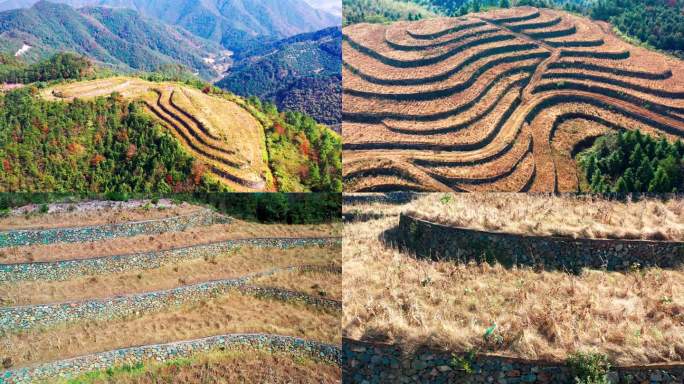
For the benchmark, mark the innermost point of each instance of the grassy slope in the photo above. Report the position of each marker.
(235, 366)
(390, 296)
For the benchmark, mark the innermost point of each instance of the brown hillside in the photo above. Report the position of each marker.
(495, 101)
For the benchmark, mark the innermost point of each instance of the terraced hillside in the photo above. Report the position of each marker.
(102, 292)
(506, 288)
(495, 101)
(216, 131)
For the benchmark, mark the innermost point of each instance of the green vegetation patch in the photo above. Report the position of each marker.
(303, 155)
(61, 66)
(169, 371)
(99, 146)
(632, 162)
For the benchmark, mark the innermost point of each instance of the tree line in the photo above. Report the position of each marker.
(62, 66)
(633, 162)
(97, 146)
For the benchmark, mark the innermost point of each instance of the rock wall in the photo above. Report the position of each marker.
(16, 238)
(164, 352)
(431, 240)
(17, 319)
(380, 363)
(64, 270)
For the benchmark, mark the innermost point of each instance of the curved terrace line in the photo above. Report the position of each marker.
(515, 19)
(66, 269)
(22, 237)
(465, 124)
(611, 70)
(666, 111)
(435, 240)
(616, 82)
(456, 88)
(423, 47)
(199, 137)
(328, 353)
(23, 318)
(426, 61)
(535, 25)
(379, 117)
(629, 110)
(504, 49)
(199, 152)
(482, 179)
(436, 35)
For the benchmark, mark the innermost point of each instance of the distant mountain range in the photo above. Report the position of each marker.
(118, 37)
(236, 24)
(299, 73)
(284, 51)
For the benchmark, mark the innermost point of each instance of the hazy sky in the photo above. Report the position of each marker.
(332, 6)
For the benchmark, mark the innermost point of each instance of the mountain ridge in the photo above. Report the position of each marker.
(118, 37)
(301, 73)
(232, 23)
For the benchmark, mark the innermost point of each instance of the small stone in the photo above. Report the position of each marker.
(513, 373)
(7, 363)
(444, 368)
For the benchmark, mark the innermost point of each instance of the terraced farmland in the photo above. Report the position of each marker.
(416, 309)
(187, 292)
(216, 131)
(495, 101)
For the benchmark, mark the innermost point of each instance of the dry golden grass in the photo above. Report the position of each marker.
(233, 264)
(237, 128)
(145, 243)
(570, 216)
(320, 284)
(235, 366)
(231, 313)
(93, 217)
(390, 296)
(402, 87)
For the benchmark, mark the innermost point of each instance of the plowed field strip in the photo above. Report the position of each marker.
(623, 98)
(488, 170)
(432, 78)
(658, 92)
(520, 180)
(426, 61)
(562, 64)
(227, 177)
(448, 108)
(193, 130)
(508, 65)
(435, 35)
(451, 40)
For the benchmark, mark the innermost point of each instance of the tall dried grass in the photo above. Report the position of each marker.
(231, 313)
(568, 216)
(232, 264)
(390, 296)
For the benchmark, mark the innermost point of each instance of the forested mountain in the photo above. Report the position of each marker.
(117, 37)
(236, 24)
(331, 6)
(659, 23)
(62, 66)
(301, 73)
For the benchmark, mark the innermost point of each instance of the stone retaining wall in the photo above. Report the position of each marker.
(16, 238)
(437, 241)
(163, 352)
(64, 270)
(379, 363)
(15, 319)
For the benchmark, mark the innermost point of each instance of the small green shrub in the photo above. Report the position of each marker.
(589, 368)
